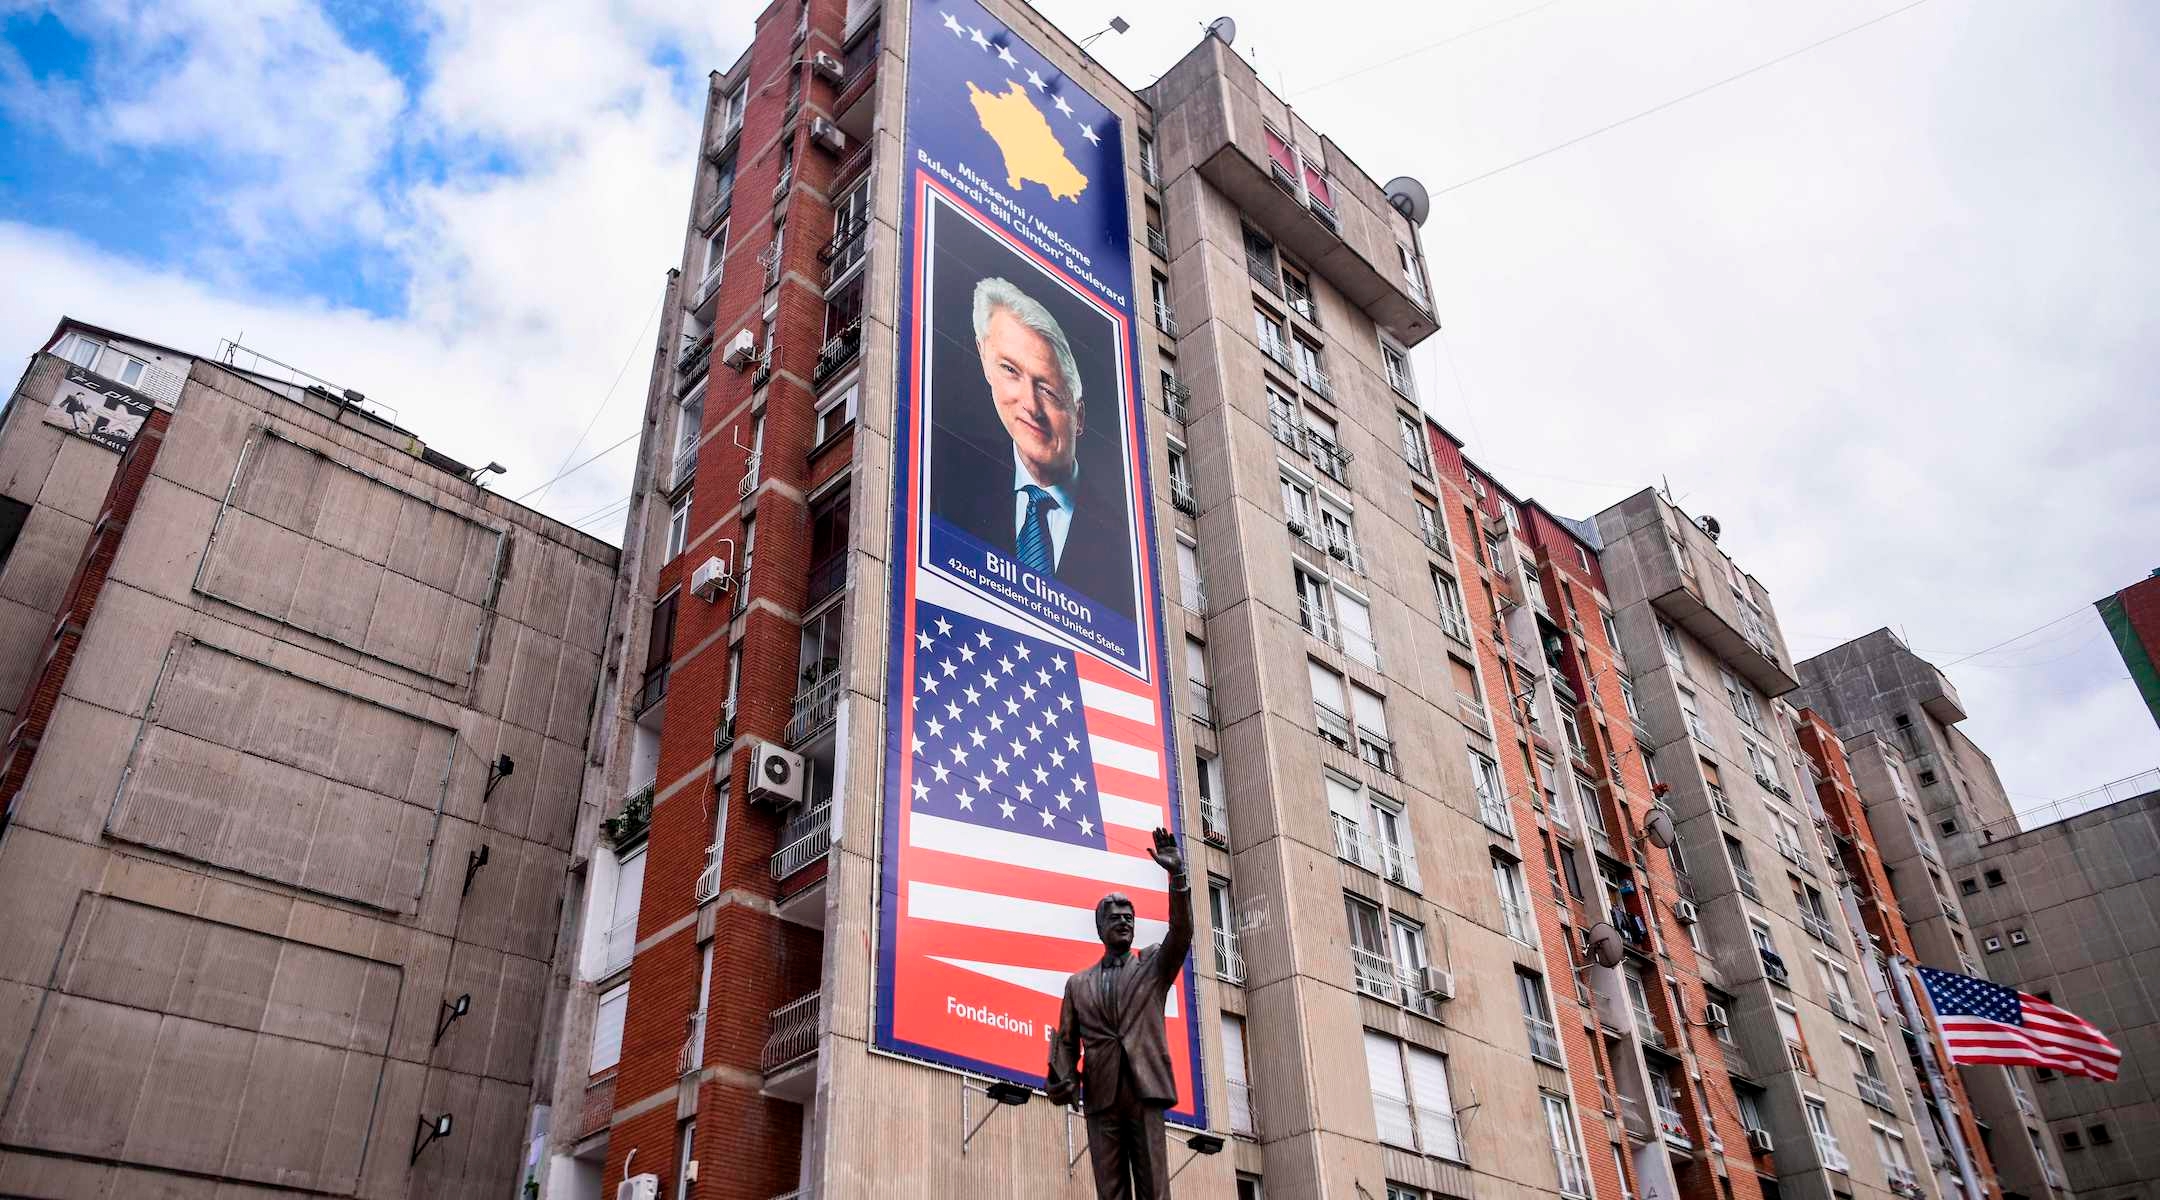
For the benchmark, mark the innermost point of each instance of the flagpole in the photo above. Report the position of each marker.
(1933, 1056)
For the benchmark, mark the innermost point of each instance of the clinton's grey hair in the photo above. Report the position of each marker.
(995, 293)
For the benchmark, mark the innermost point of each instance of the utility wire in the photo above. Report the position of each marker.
(602, 406)
(1450, 39)
(581, 466)
(2020, 637)
(1658, 108)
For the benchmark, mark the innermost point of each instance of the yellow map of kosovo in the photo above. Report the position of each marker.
(1023, 136)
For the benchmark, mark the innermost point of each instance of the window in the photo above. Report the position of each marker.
(1927, 779)
(1969, 886)
(1491, 795)
(608, 1028)
(1570, 726)
(1410, 433)
(1566, 1143)
(1751, 1117)
(1826, 1143)
(1412, 1107)
(1237, 1075)
(80, 350)
(1796, 1052)
(2017, 937)
(1374, 745)
(1868, 1077)
(1592, 805)
(1398, 370)
(2071, 1140)
(1316, 604)
(1432, 529)
(1837, 990)
(1571, 867)
(678, 529)
(1741, 871)
(1994, 878)
(1890, 1150)
(1165, 315)
(1454, 617)
(685, 1154)
(1638, 995)
(1408, 939)
(1192, 592)
(1330, 704)
(1627, 699)
(621, 936)
(1353, 620)
(1696, 728)
(1612, 631)
(1537, 1018)
(1742, 699)
(1469, 697)
(835, 412)
(1786, 836)
(1516, 916)
(1670, 640)
(1763, 762)
(1323, 445)
(1298, 507)
(1309, 370)
(1268, 329)
(1181, 492)
(1337, 535)
(2098, 1135)
(1372, 968)
(1413, 275)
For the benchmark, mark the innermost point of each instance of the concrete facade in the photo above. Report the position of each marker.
(2070, 912)
(1710, 669)
(1935, 804)
(270, 908)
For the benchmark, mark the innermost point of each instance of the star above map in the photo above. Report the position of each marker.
(1031, 148)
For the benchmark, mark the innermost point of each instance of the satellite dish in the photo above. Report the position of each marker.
(1710, 526)
(1224, 28)
(1409, 198)
(1605, 944)
(1659, 829)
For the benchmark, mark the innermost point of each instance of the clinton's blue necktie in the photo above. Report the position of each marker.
(1034, 543)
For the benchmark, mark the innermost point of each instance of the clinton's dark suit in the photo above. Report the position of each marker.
(1124, 1058)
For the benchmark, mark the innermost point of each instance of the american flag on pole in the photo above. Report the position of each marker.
(1035, 778)
(1984, 1022)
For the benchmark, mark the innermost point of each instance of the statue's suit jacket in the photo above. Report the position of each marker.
(1128, 1033)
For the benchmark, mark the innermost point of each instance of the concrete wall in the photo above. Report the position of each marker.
(2085, 895)
(237, 871)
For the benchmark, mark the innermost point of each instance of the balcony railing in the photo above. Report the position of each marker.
(1841, 1008)
(1182, 498)
(1332, 460)
(617, 947)
(1826, 1147)
(1166, 318)
(1633, 1118)
(1264, 272)
(1349, 839)
(1229, 957)
(805, 839)
(1817, 927)
(1373, 974)
(1521, 925)
(792, 1034)
(1454, 624)
(1158, 242)
(1241, 1109)
(654, 687)
(1773, 966)
(1177, 399)
(1902, 1179)
(1493, 810)
(1303, 305)
(1544, 1039)
(1272, 345)
(1671, 1127)
(838, 351)
(1200, 698)
(1214, 820)
(815, 706)
(690, 364)
(1472, 713)
(1313, 618)
(1192, 594)
(708, 879)
(707, 288)
(1316, 379)
(1746, 879)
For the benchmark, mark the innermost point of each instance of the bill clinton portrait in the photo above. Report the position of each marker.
(1016, 460)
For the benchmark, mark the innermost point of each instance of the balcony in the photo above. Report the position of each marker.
(1278, 352)
(838, 351)
(1672, 1128)
(1264, 271)
(1158, 242)
(1176, 399)
(690, 365)
(1493, 811)
(1302, 303)
(1166, 318)
(1746, 879)
(708, 879)
(1817, 927)
(845, 247)
(805, 839)
(815, 706)
(1229, 957)
(710, 215)
(1826, 1148)
(791, 1043)
(1373, 974)
(653, 689)
(1214, 821)
(1773, 965)
(1332, 460)
(707, 288)
(1472, 713)
(1902, 1180)
(1746, 655)
(1633, 1119)
(827, 578)
(685, 466)
(1333, 726)
(1200, 699)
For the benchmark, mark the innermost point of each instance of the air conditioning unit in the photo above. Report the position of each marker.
(776, 775)
(638, 1187)
(827, 135)
(1759, 1141)
(710, 579)
(741, 350)
(1439, 984)
(1715, 1016)
(827, 67)
(1299, 528)
(1685, 912)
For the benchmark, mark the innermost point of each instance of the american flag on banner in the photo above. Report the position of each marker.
(1984, 1022)
(1036, 777)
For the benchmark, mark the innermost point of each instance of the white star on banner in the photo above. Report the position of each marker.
(1006, 57)
(976, 35)
(1049, 818)
(923, 639)
(1005, 809)
(1062, 107)
(1037, 80)
(953, 23)
(1087, 827)
(944, 627)
(1088, 132)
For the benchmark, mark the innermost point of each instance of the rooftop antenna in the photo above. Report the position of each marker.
(1116, 25)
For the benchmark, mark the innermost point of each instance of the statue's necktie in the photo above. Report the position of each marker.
(1034, 543)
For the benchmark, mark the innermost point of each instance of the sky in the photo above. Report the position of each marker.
(1880, 304)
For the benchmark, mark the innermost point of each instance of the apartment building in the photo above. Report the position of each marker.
(2063, 910)
(1934, 803)
(290, 786)
(1709, 673)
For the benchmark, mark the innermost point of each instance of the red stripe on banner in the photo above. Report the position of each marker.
(1009, 949)
(1123, 729)
(1010, 879)
(1132, 786)
(1096, 670)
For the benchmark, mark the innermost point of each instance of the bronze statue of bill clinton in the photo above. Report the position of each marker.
(1110, 1041)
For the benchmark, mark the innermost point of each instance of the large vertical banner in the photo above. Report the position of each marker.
(1029, 755)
